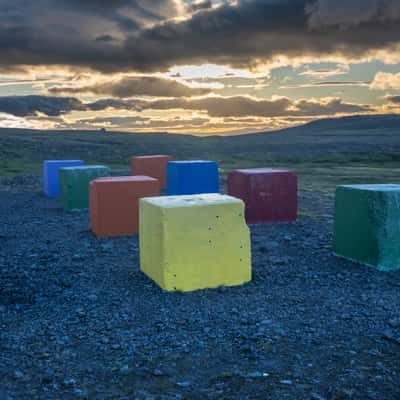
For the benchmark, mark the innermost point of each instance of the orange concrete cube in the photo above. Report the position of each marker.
(114, 203)
(154, 166)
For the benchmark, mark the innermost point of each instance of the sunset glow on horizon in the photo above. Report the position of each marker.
(200, 67)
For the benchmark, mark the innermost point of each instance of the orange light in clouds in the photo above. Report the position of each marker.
(208, 71)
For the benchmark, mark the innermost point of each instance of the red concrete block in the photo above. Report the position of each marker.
(270, 195)
(114, 203)
(154, 166)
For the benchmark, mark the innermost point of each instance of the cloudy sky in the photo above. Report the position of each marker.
(200, 66)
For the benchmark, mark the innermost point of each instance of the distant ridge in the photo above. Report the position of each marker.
(366, 138)
(377, 121)
(356, 122)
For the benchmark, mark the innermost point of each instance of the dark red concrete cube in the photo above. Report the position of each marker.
(270, 195)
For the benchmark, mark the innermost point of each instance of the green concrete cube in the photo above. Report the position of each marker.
(74, 184)
(367, 225)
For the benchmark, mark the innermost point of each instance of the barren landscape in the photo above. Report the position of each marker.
(79, 320)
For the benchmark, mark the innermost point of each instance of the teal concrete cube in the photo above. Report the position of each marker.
(367, 225)
(74, 184)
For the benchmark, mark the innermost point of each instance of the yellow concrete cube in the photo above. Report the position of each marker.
(194, 242)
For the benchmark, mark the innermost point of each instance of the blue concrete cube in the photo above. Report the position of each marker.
(50, 174)
(192, 177)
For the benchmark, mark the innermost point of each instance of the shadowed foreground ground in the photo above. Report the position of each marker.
(79, 320)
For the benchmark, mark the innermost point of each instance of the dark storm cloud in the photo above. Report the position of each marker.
(200, 5)
(116, 35)
(22, 106)
(347, 13)
(393, 99)
(105, 38)
(331, 107)
(254, 30)
(238, 106)
(104, 104)
(134, 86)
(74, 32)
(225, 106)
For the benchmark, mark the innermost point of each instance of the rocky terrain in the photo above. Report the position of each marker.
(78, 320)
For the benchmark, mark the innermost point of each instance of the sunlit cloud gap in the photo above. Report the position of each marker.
(196, 66)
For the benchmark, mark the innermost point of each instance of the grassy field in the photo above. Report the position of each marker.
(324, 153)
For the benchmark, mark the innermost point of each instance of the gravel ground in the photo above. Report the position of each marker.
(79, 320)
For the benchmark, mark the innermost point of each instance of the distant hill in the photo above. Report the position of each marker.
(343, 124)
(335, 134)
(384, 121)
